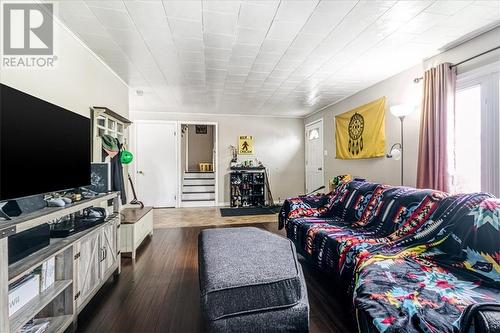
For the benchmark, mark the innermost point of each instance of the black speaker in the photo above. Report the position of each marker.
(25, 243)
(26, 205)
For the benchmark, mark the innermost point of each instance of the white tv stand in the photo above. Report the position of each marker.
(83, 263)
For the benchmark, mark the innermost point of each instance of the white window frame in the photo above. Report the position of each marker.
(487, 77)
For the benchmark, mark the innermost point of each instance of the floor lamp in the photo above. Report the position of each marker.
(397, 149)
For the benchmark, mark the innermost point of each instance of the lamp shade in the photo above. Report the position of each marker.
(396, 154)
(402, 110)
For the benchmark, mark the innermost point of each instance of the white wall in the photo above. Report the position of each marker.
(278, 143)
(79, 80)
(398, 89)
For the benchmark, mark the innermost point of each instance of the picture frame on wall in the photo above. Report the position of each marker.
(201, 129)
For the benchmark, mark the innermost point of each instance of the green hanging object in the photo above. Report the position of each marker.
(126, 157)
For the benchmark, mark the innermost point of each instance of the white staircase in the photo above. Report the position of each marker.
(198, 189)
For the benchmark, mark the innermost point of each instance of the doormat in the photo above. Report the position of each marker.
(243, 211)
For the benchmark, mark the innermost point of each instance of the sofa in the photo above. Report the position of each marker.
(411, 260)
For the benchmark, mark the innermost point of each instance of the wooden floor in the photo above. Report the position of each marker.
(202, 217)
(160, 291)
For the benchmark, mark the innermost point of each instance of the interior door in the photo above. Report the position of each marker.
(156, 163)
(314, 156)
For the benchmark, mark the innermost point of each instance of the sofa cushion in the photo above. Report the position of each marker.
(245, 270)
(351, 200)
(406, 293)
(474, 243)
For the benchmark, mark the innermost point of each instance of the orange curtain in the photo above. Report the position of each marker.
(438, 103)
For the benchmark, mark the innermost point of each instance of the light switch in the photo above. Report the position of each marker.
(326, 152)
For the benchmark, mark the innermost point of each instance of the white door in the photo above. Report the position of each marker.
(314, 156)
(156, 163)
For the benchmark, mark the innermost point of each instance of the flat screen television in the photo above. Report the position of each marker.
(43, 147)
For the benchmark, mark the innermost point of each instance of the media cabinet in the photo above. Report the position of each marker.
(83, 263)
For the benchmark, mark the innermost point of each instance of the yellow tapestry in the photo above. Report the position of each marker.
(245, 145)
(360, 133)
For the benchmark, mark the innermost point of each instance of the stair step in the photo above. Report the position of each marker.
(198, 175)
(198, 188)
(198, 203)
(199, 182)
(198, 196)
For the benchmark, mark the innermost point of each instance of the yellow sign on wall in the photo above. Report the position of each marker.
(245, 145)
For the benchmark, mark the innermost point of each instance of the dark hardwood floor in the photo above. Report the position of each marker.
(160, 292)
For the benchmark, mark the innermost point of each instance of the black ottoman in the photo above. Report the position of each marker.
(251, 281)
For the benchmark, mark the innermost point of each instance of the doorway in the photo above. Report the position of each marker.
(198, 164)
(156, 174)
(314, 155)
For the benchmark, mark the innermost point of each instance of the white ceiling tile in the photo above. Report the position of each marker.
(268, 58)
(250, 36)
(74, 8)
(215, 57)
(295, 11)
(88, 25)
(191, 56)
(189, 44)
(405, 10)
(263, 67)
(327, 16)
(256, 76)
(256, 16)
(216, 64)
(448, 7)
(283, 30)
(113, 18)
(217, 54)
(306, 41)
(274, 45)
(423, 22)
(218, 41)
(238, 70)
(242, 61)
(219, 23)
(245, 50)
(189, 10)
(110, 4)
(149, 13)
(185, 28)
(230, 7)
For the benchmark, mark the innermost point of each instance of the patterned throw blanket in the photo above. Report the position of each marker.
(414, 260)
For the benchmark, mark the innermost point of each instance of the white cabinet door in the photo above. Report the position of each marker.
(108, 247)
(314, 156)
(87, 264)
(156, 163)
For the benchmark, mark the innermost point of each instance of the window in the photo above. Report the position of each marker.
(314, 134)
(465, 158)
(473, 139)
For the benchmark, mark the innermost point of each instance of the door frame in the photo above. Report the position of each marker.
(215, 157)
(306, 140)
(176, 143)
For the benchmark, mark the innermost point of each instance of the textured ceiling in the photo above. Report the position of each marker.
(286, 58)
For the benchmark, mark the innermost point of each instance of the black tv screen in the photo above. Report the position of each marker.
(43, 147)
